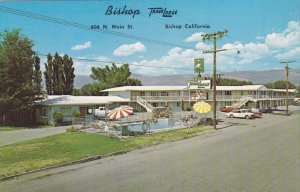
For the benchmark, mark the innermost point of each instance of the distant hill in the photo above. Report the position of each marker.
(81, 80)
(258, 77)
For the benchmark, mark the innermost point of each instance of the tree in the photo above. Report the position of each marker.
(59, 75)
(233, 82)
(133, 82)
(37, 74)
(20, 73)
(68, 75)
(48, 74)
(114, 76)
(281, 84)
(91, 89)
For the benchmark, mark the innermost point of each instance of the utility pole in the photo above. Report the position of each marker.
(207, 37)
(287, 85)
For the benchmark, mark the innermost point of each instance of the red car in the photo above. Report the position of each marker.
(227, 109)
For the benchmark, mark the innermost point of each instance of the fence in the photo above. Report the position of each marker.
(19, 118)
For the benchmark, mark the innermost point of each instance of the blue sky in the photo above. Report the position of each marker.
(265, 32)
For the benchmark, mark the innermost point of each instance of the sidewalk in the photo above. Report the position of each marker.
(10, 137)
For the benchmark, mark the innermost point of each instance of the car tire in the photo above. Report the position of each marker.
(247, 117)
(231, 116)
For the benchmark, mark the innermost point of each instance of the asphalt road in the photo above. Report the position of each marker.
(247, 155)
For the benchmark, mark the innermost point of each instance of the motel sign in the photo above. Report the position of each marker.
(199, 65)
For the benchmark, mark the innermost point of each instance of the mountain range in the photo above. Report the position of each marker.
(257, 77)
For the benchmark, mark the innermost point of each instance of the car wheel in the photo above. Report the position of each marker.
(231, 116)
(247, 117)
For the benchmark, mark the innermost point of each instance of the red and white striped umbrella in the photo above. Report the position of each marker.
(120, 112)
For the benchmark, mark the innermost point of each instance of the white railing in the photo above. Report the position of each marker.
(241, 102)
(218, 97)
(161, 98)
(145, 104)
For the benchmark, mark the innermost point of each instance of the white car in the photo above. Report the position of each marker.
(240, 114)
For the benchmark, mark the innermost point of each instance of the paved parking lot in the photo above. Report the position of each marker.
(266, 118)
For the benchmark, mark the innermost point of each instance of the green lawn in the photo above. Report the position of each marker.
(47, 151)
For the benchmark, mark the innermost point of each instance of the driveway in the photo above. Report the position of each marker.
(10, 137)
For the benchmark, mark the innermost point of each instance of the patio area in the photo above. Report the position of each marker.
(140, 123)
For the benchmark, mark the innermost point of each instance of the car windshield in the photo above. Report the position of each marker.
(245, 110)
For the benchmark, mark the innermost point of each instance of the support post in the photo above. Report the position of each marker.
(287, 85)
(214, 36)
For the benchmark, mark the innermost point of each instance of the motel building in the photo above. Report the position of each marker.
(147, 98)
(181, 97)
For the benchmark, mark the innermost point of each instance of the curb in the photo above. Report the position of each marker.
(97, 157)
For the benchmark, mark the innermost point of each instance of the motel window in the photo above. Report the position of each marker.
(102, 105)
(155, 104)
(164, 93)
(66, 111)
(178, 104)
(142, 93)
(227, 92)
(44, 112)
(154, 93)
(89, 110)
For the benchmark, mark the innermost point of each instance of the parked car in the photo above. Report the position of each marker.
(266, 110)
(255, 112)
(227, 108)
(101, 112)
(240, 114)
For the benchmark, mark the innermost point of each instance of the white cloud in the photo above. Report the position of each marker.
(293, 26)
(249, 52)
(203, 46)
(84, 67)
(103, 58)
(129, 49)
(259, 37)
(174, 58)
(85, 45)
(194, 37)
(290, 37)
(184, 58)
(175, 51)
(290, 54)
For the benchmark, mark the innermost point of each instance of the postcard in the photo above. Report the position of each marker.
(152, 95)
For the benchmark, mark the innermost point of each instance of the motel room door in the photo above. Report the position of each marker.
(82, 111)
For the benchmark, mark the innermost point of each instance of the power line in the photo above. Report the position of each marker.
(119, 63)
(86, 27)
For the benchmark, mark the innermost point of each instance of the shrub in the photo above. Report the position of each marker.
(189, 108)
(76, 113)
(58, 118)
(72, 129)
